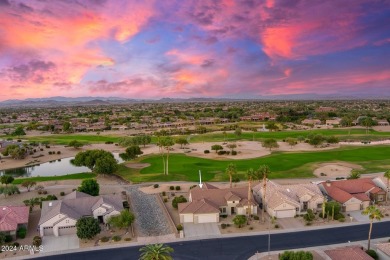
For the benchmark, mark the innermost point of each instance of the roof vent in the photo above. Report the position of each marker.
(50, 204)
(288, 190)
(328, 183)
(4, 208)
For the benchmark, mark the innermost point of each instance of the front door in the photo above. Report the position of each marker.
(305, 205)
(233, 210)
(100, 218)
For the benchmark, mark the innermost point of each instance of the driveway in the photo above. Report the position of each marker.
(204, 229)
(357, 215)
(53, 243)
(287, 223)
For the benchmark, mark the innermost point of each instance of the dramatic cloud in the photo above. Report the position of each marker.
(152, 49)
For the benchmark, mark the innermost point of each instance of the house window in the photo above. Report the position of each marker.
(297, 209)
(234, 201)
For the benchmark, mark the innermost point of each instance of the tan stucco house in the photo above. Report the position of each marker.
(59, 217)
(286, 201)
(355, 194)
(206, 204)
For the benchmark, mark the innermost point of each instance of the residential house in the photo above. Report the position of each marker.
(355, 194)
(381, 182)
(311, 122)
(383, 251)
(349, 252)
(59, 217)
(286, 201)
(383, 122)
(206, 204)
(12, 218)
(335, 121)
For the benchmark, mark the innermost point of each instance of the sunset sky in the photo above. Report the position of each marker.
(193, 48)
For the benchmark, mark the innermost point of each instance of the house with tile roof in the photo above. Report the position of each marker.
(59, 217)
(12, 218)
(349, 252)
(287, 201)
(381, 182)
(383, 250)
(208, 203)
(354, 194)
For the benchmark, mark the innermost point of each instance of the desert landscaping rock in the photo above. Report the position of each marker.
(150, 218)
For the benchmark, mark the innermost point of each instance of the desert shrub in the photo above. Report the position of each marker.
(301, 255)
(62, 193)
(8, 238)
(250, 228)
(156, 186)
(15, 244)
(116, 238)
(255, 217)
(206, 151)
(320, 215)
(323, 174)
(223, 225)
(234, 152)
(109, 142)
(127, 239)
(227, 152)
(222, 152)
(21, 233)
(104, 239)
(47, 146)
(309, 216)
(41, 149)
(44, 192)
(236, 179)
(171, 187)
(372, 253)
(164, 193)
(58, 152)
(179, 227)
(342, 219)
(177, 188)
(37, 241)
(276, 226)
(178, 200)
(339, 216)
(165, 200)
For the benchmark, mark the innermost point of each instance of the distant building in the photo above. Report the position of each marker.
(311, 122)
(383, 123)
(325, 109)
(335, 121)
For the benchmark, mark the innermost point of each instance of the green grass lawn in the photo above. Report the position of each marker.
(76, 176)
(282, 164)
(64, 139)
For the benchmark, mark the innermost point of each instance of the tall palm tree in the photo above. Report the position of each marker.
(373, 214)
(168, 142)
(387, 176)
(156, 252)
(251, 175)
(263, 173)
(231, 170)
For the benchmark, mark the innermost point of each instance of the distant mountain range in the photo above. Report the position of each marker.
(91, 101)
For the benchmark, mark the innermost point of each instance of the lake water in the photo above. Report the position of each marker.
(53, 168)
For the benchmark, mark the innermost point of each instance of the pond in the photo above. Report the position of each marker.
(53, 168)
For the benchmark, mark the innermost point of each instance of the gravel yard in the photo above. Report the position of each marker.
(150, 219)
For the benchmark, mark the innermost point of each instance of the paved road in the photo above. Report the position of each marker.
(238, 248)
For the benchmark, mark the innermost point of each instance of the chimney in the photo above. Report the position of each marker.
(50, 204)
(328, 183)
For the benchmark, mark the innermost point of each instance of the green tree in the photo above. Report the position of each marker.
(232, 147)
(99, 161)
(387, 176)
(272, 126)
(89, 186)
(75, 144)
(238, 131)
(28, 184)
(181, 141)
(6, 179)
(156, 252)
(123, 220)
(19, 131)
(333, 208)
(9, 190)
(178, 200)
(332, 140)
(231, 170)
(87, 227)
(373, 214)
(316, 140)
(31, 203)
(15, 151)
(146, 139)
(355, 174)
(131, 153)
(291, 141)
(216, 147)
(3, 237)
(309, 216)
(270, 143)
(165, 144)
(298, 255)
(67, 127)
(239, 220)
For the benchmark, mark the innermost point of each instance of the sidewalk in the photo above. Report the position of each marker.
(169, 239)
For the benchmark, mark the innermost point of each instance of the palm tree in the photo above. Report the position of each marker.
(387, 176)
(263, 173)
(355, 174)
(251, 174)
(156, 252)
(168, 142)
(373, 214)
(231, 170)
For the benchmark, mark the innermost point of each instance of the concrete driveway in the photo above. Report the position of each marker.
(357, 215)
(288, 223)
(53, 243)
(204, 229)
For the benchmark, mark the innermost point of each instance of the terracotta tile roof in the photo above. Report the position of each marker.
(361, 196)
(336, 193)
(11, 216)
(351, 252)
(384, 247)
(199, 207)
(356, 185)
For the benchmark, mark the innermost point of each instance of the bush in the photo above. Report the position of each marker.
(255, 217)
(177, 188)
(323, 174)
(301, 255)
(21, 233)
(15, 244)
(58, 152)
(342, 219)
(116, 238)
(179, 227)
(104, 239)
(206, 151)
(37, 241)
(164, 193)
(250, 228)
(62, 193)
(234, 152)
(171, 187)
(178, 200)
(109, 142)
(276, 226)
(165, 200)
(236, 179)
(223, 225)
(127, 239)
(156, 186)
(8, 238)
(320, 215)
(339, 216)
(222, 152)
(372, 253)
(44, 192)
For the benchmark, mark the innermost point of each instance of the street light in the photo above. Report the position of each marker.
(269, 238)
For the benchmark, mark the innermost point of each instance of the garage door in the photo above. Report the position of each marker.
(71, 230)
(207, 218)
(48, 231)
(187, 218)
(285, 213)
(352, 207)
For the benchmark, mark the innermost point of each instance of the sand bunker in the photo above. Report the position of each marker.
(334, 170)
(137, 165)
